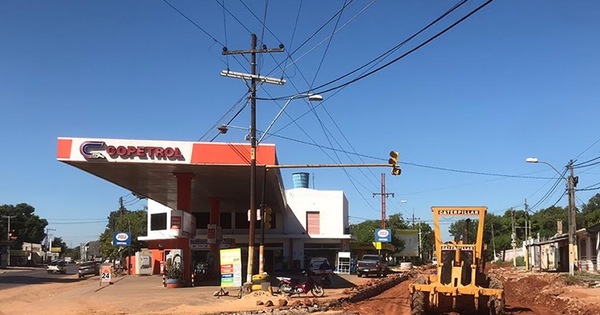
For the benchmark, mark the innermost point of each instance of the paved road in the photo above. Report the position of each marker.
(13, 277)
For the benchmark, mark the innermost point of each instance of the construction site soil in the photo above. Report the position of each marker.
(526, 292)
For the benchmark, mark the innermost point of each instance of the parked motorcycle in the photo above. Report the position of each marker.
(325, 280)
(291, 286)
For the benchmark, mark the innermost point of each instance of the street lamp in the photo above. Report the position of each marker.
(253, 147)
(311, 97)
(571, 182)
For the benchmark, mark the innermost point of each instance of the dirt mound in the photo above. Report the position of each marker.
(547, 292)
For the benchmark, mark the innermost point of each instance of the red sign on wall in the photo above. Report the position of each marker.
(175, 222)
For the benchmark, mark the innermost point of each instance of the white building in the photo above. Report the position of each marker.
(313, 224)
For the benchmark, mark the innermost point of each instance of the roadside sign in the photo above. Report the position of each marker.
(231, 267)
(383, 235)
(105, 273)
(121, 239)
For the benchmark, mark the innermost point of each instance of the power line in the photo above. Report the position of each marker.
(194, 23)
(407, 53)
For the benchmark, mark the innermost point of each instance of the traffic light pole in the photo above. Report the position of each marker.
(261, 248)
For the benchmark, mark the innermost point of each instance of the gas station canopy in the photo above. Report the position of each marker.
(148, 167)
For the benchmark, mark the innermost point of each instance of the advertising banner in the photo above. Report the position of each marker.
(411, 242)
(231, 267)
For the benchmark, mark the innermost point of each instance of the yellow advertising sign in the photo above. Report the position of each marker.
(55, 250)
(231, 267)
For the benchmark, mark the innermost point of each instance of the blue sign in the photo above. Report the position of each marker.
(383, 235)
(121, 239)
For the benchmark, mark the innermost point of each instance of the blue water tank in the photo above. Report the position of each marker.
(300, 180)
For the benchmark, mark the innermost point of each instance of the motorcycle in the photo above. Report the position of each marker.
(325, 280)
(291, 286)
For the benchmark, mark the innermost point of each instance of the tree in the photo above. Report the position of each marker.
(590, 213)
(123, 221)
(365, 231)
(27, 226)
(458, 229)
(58, 242)
(427, 240)
(544, 221)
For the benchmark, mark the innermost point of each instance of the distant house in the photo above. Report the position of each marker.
(90, 251)
(551, 254)
(588, 248)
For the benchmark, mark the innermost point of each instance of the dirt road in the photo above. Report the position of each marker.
(526, 294)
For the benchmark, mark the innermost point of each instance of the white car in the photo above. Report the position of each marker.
(57, 266)
(315, 264)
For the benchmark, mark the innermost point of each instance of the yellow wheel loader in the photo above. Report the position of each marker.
(460, 284)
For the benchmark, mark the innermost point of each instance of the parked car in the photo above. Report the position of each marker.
(371, 265)
(57, 266)
(89, 268)
(316, 263)
(320, 267)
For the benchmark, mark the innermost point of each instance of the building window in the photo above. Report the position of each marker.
(226, 220)
(202, 219)
(158, 221)
(241, 220)
(583, 250)
(313, 223)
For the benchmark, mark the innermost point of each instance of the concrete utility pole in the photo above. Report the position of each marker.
(253, 77)
(384, 195)
(527, 227)
(494, 242)
(571, 216)
(49, 239)
(513, 236)
(8, 234)
(571, 184)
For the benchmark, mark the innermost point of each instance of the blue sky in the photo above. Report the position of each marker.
(516, 79)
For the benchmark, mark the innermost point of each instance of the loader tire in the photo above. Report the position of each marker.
(417, 303)
(496, 305)
(418, 299)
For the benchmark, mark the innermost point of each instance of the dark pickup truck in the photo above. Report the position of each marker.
(371, 265)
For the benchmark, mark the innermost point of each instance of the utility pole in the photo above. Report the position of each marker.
(8, 234)
(121, 206)
(527, 227)
(49, 239)
(253, 77)
(571, 184)
(413, 218)
(513, 236)
(384, 195)
(494, 242)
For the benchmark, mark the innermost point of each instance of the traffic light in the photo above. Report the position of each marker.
(267, 221)
(394, 155)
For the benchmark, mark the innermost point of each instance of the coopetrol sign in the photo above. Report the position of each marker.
(95, 150)
(121, 239)
(383, 235)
